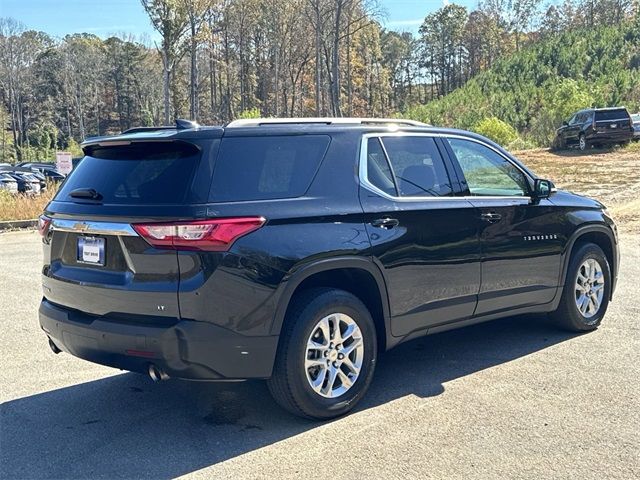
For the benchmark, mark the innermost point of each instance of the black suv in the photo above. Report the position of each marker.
(297, 250)
(595, 127)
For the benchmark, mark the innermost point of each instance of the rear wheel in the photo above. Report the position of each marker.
(587, 289)
(326, 356)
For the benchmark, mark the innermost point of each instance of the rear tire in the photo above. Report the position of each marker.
(315, 369)
(587, 289)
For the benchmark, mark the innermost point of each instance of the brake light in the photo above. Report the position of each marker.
(209, 235)
(43, 224)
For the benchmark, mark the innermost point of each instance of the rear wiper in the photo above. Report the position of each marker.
(86, 193)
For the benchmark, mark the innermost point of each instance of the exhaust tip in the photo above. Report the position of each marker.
(157, 374)
(54, 348)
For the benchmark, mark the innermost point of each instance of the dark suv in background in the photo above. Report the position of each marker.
(596, 127)
(296, 250)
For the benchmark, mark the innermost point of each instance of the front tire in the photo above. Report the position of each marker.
(586, 292)
(557, 144)
(327, 354)
(582, 143)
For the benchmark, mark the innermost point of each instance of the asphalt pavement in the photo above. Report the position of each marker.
(514, 398)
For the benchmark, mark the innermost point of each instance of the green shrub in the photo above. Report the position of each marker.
(497, 130)
(251, 113)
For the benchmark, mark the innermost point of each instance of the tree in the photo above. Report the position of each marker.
(198, 12)
(170, 19)
(443, 51)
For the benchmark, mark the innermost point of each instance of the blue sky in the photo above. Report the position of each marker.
(107, 17)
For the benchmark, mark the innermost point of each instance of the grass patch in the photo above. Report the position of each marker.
(23, 207)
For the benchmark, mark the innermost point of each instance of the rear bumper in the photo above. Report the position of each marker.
(189, 349)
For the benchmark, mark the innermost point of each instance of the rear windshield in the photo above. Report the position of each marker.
(141, 173)
(262, 168)
(618, 114)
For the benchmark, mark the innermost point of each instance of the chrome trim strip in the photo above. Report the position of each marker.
(599, 121)
(93, 228)
(364, 181)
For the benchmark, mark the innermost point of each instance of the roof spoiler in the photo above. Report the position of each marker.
(181, 124)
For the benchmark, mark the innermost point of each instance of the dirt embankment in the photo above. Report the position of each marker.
(611, 176)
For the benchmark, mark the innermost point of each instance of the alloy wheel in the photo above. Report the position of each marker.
(334, 355)
(589, 288)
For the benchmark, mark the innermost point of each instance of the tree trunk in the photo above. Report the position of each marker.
(335, 62)
(194, 73)
(349, 81)
(166, 78)
(318, 63)
(212, 81)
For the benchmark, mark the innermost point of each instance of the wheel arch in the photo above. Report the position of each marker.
(356, 275)
(600, 235)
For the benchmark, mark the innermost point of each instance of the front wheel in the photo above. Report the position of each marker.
(582, 143)
(326, 356)
(586, 292)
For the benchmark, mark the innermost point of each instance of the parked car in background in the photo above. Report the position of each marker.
(41, 178)
(25, 185)
(42, 170)
(37, 165)
(33, 180)
(52, 175)
(295, 250)
(31, 174)
(596, 127)
(8, 183)
(635, 118)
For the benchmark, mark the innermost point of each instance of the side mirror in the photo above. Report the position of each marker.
(542, 188)
(565, 124)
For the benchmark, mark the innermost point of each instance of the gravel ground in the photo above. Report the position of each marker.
(513, 398)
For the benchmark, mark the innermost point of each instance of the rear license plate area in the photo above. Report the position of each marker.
(91, 251)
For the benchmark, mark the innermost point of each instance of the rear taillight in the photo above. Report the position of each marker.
(209, 235)
(43, 225)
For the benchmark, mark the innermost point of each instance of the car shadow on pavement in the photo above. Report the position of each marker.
(124, 426)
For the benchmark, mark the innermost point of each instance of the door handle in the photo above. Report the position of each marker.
(491, 217)
(386, 223)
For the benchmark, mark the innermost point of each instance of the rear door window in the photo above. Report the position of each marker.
(269, 167)
(417, 166)
(140, 173)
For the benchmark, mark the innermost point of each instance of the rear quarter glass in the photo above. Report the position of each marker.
(148, 173)
(266, 167)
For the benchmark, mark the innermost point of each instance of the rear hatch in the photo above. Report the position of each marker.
(96, 263)
(615, 121)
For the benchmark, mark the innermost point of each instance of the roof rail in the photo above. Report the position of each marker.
(258, 122)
